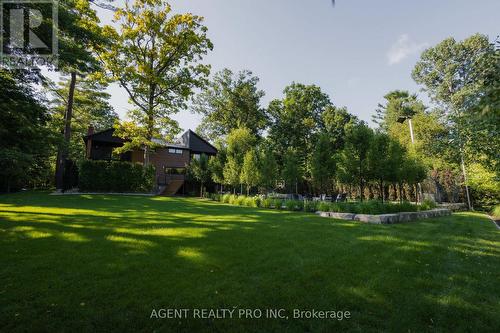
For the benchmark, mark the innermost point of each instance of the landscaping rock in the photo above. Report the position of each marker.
(454, 207)
(387, 218)
(407, 217)
(342, 216)
(374, 219)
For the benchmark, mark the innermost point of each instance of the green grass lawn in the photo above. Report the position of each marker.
(102, 263)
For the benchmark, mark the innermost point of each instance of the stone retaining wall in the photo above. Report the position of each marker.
(454, 207)
(388, 218)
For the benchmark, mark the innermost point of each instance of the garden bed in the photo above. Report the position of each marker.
(371, 207)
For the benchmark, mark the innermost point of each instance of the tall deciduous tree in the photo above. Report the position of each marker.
(454, 75)
(231, 101)
(268, 168)
(239, 142)
(353, 164)
(90, 107)
(484, 115)
(292, 171)
(335, 120)
(250, 173)
(156, 58)
(296, 121)
(25, 139)
(217, 164)
(79, 35)
(323, 164)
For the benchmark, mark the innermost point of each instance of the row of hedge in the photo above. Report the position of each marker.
(115, 176)
(373, 207)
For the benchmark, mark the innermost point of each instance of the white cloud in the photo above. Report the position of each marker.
(403, 48)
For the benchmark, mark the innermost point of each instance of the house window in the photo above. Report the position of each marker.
(175, 151)
(175, 171)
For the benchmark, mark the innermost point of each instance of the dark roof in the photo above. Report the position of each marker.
(169, 145)
(189, 140)
(197, 144)
(105, 136)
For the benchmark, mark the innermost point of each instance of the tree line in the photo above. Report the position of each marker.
(301, 142)
(329, 152)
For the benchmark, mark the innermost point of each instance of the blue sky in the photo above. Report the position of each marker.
(356, 52)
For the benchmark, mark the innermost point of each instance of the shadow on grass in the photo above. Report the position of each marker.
(123, 256)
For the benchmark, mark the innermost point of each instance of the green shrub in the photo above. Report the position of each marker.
(324, 206)
(496, 211)
(407, 207)
(225, 198)
(277, 204)
(371, 207)
(115, 176)
(214, 196)
(266, 203)
(240, 200)
(249, 202)
(428, 205)
(310, 206)
(232, 199)
(294, 205)
(300, 205)
(290, 205)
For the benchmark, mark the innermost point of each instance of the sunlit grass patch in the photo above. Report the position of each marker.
(121, 256)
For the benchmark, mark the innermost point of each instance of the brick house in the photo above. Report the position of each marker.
(170, 159)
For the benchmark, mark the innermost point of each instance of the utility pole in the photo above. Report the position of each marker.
(401, 120)
(466, 182)
(411, 131)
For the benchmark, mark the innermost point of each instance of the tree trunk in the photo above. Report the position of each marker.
(381, 186)
(361, 190)
(62, 154)
(146, 156)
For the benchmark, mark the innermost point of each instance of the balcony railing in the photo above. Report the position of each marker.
(166, 179)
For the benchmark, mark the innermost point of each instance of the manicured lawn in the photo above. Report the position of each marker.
(102, 263)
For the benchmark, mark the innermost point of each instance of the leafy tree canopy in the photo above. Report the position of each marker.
(231, 101)
(26, 141)
(156, 58)
(91, 107)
